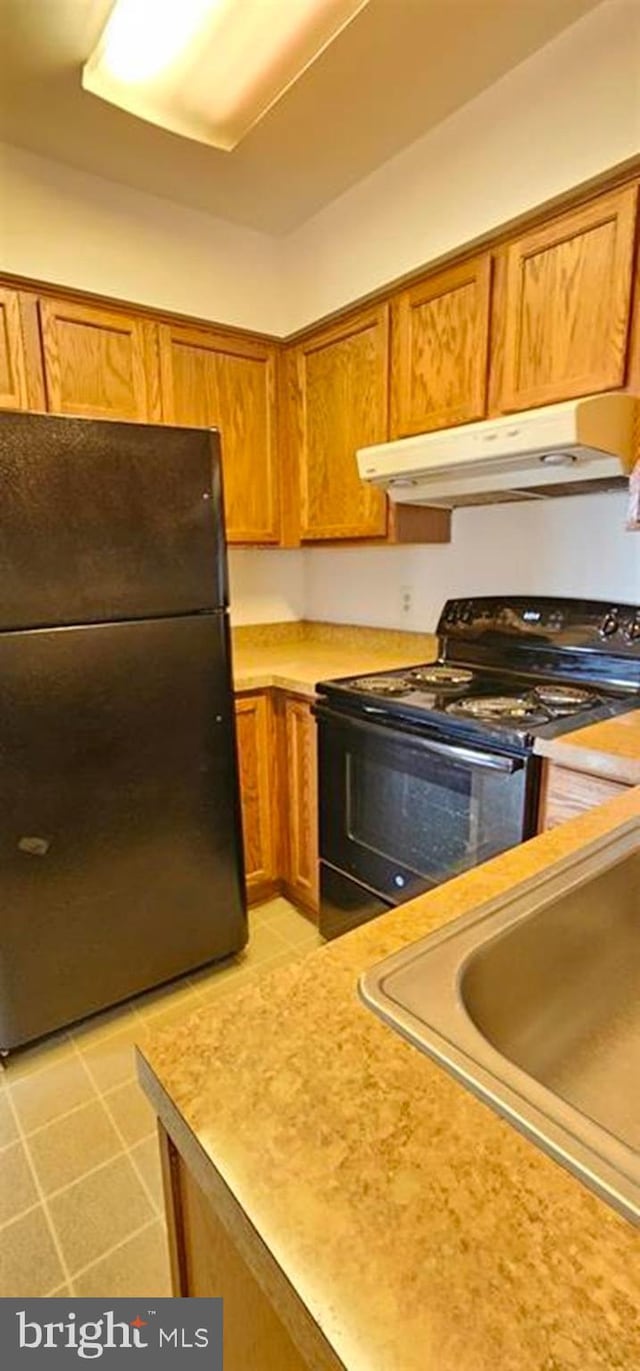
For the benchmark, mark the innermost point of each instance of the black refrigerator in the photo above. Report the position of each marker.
(120, 835)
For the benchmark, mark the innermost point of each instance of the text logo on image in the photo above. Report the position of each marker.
(174, 1335)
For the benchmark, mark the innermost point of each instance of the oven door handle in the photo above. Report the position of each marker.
(490, 761)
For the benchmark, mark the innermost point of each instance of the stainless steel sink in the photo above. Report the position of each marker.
(533, 1002)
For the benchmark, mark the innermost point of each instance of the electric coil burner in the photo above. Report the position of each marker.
(431, 769)
(382, 685)
(445, 677)
(497, 707)
(562, 697)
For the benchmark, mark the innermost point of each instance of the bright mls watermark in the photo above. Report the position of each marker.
(172, 1335)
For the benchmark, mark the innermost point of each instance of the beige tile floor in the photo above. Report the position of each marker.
(81, 1208)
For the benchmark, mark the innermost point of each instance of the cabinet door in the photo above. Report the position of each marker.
(227, 382)
(568, 300)
(341, 405)
(440, 341)
(13, 381)
(567, 793)
(99, 363)
(302, 798)
(257, 769)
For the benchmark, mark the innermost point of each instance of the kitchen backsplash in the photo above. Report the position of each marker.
(573, 547)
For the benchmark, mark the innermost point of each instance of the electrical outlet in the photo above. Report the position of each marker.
(406, 599)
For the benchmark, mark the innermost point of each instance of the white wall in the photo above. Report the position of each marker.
(562, 116)
(565, 114)
(266, 587)
(61, 225)
(575, 546)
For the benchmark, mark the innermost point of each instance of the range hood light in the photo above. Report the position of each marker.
(209, 69)
(558, 459)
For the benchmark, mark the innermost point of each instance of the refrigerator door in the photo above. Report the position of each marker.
(120, 839)
(102, 521)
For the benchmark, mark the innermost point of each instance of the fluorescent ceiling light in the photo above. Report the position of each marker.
(209, 69)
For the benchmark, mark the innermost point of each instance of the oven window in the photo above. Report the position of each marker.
(433, 816)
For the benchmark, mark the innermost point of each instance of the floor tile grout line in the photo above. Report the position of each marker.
(125, 1144)
(58, 1118)
(11, 1143)
(43, 1199)
(82, 1270)
(22, 1214)
(92, 1171)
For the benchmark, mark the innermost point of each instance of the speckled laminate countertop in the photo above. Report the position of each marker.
(610, 749)
(420, 1231)
(296, 656)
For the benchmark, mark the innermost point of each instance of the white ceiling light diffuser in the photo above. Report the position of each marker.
(209, 69)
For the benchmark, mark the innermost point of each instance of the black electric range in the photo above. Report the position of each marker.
(430, 769)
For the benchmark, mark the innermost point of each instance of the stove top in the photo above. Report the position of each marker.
(510, 671)
(502, 705)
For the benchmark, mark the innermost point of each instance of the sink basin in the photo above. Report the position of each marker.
(533, 1002)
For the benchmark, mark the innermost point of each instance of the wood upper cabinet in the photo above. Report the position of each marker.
(301, 788)
(257, 765)
(440, 343)
(340, 403)
(568, 302)
(228, 382)
(13, 381)
(99, 362)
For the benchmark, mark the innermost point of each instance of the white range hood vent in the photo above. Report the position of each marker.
(568, 449)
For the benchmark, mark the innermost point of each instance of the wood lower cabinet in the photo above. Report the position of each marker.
(568, 304)
(299, 732)
(259, 791)
(207, 1248)
(440, 345)
(228, 382)
(567, 793)
(277, 759)
(99, 363)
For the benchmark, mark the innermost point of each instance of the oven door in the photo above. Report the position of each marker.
(401, 811)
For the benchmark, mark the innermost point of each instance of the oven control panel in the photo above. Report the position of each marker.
(544, 621)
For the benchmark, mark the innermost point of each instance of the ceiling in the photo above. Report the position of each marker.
(399, 68)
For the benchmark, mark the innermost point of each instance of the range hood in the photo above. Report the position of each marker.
(575, 447)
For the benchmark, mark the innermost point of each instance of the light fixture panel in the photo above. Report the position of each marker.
(210, 69)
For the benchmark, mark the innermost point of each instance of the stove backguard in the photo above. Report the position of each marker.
(591, 641)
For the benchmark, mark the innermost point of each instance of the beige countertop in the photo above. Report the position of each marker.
(420, 1231)
(610, 749)
(296, 656)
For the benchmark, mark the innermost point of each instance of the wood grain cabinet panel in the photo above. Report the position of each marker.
(227, 382)
(301, 773)
(99, 363)
(567, 793)
(13, 380)
(568, 302)
(341, 404)
(257, 764)
(440, 341)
